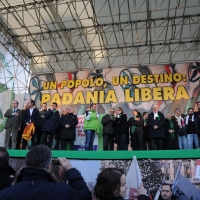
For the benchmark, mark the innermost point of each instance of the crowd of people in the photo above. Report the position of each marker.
(146, 131)
(36, 180)
(152, 131)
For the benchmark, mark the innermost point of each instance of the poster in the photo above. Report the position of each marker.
(80, 136)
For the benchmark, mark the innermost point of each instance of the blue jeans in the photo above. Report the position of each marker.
(182, 141)
(90, 135)
(192, 138)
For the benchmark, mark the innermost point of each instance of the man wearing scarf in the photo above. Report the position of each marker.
(191, 122)
(108, 130)
(182, 138)
(156, 123)
(171, 133)
(52, 120)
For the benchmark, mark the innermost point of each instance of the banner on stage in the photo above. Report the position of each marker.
(130, 88)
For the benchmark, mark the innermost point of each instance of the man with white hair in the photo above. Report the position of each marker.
(156, 122)
(35, 181)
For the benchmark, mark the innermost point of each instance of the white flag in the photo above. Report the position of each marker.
(133, 180)
(157, 193)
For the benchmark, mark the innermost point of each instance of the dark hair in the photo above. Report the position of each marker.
(44, 103)
(39, 157)
(55, 104)
(165, 184)
(176, 110)
(92, 105)
(135, 110)
(120, 108)
(198, 102)
(3, 153)
(190, 109)
(144, 113)
(16, 102)
(33, 102)
(107, 182)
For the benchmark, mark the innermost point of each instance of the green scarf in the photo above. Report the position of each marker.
(54, 111)
(112, 116)
(171, 128)
(133, 127)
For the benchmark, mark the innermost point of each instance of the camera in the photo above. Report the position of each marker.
(55, 161)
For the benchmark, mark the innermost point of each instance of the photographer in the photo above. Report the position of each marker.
(35, 181)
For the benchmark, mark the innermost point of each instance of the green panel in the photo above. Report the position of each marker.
(96, 155)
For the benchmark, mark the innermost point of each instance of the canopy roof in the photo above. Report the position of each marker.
(69, 35)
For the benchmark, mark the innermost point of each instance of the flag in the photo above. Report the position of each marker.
(133, 180)
(157, 193)
(28, 131)
(183, 188)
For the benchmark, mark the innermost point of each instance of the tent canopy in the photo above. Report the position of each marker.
(70, 35)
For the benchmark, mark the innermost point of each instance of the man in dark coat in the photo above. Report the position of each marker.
(136, 130)
(31, 115)
(108, 129)
(68, 133)
(156, 122)
(36, 182)
(40, 122)
(52, 120)
(121, 129)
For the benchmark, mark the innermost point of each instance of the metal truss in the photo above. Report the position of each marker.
(71, 35)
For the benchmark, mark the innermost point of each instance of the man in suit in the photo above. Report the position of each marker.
(108, 129)
(20, 132)
(156, 122)
(30, 115)
(13, 124)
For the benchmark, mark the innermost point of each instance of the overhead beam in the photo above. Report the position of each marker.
(64, 29)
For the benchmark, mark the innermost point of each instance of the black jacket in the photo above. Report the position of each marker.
(169, 143)
(108, 125)
(5, 172)
(51, 121)
(38, 184)
(139, 125)
(121, 125)
(34, 117)
(195, 124)
(181, 131)
(39, 124)
(145, 130)
(160, 122)
(69, 133)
